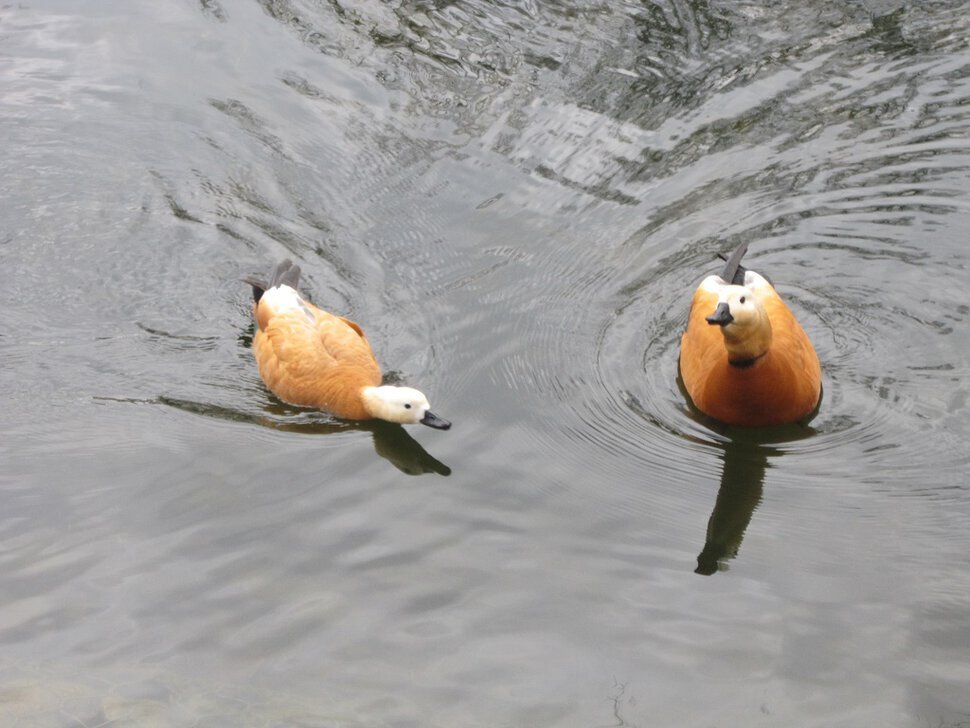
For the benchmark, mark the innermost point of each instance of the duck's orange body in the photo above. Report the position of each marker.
(312, 358)
(744, 358)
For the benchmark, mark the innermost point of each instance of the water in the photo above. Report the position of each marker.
(516, 201)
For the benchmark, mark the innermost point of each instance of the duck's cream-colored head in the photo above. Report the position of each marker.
(743, 321)
(402, 405)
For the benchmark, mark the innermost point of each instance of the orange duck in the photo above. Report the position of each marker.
(744, 358)
(312, 358)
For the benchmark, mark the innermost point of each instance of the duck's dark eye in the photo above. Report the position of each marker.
(742, 299)
(407, 405)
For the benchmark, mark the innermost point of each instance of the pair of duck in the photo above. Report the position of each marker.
(744, 358)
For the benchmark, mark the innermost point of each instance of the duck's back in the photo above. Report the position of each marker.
(779, 387)
(310, 357)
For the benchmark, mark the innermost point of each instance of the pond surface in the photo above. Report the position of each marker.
(516, 201)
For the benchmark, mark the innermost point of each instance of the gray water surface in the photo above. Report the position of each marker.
(516, 201)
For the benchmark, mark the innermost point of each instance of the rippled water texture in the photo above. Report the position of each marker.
(516, 201)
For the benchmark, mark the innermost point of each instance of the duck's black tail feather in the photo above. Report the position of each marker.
(733, 270)
(259, 286)
(286, 273)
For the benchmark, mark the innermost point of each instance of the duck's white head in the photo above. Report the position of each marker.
(743, 321)
(403, 405)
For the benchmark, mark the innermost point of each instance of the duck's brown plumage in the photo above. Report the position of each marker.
(312, 358)
(779, 386)
(307, 356)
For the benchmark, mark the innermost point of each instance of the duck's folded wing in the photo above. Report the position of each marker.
(291, 347)
(344, 341)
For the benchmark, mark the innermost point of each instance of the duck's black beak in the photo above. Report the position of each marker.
(432, 420)
(721, 316)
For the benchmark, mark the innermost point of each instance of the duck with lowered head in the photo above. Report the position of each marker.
(312, 358)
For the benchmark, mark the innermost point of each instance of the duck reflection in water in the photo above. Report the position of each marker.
(391, 441)
(747, 365)
(742, 479)
(746, 457)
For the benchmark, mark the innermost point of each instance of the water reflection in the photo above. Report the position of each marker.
(391, 441)
(742, 478)
(745, 457)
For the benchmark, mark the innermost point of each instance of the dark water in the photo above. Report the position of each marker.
(516, 201)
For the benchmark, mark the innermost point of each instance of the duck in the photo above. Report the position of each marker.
(312, 358)
(744, 358)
